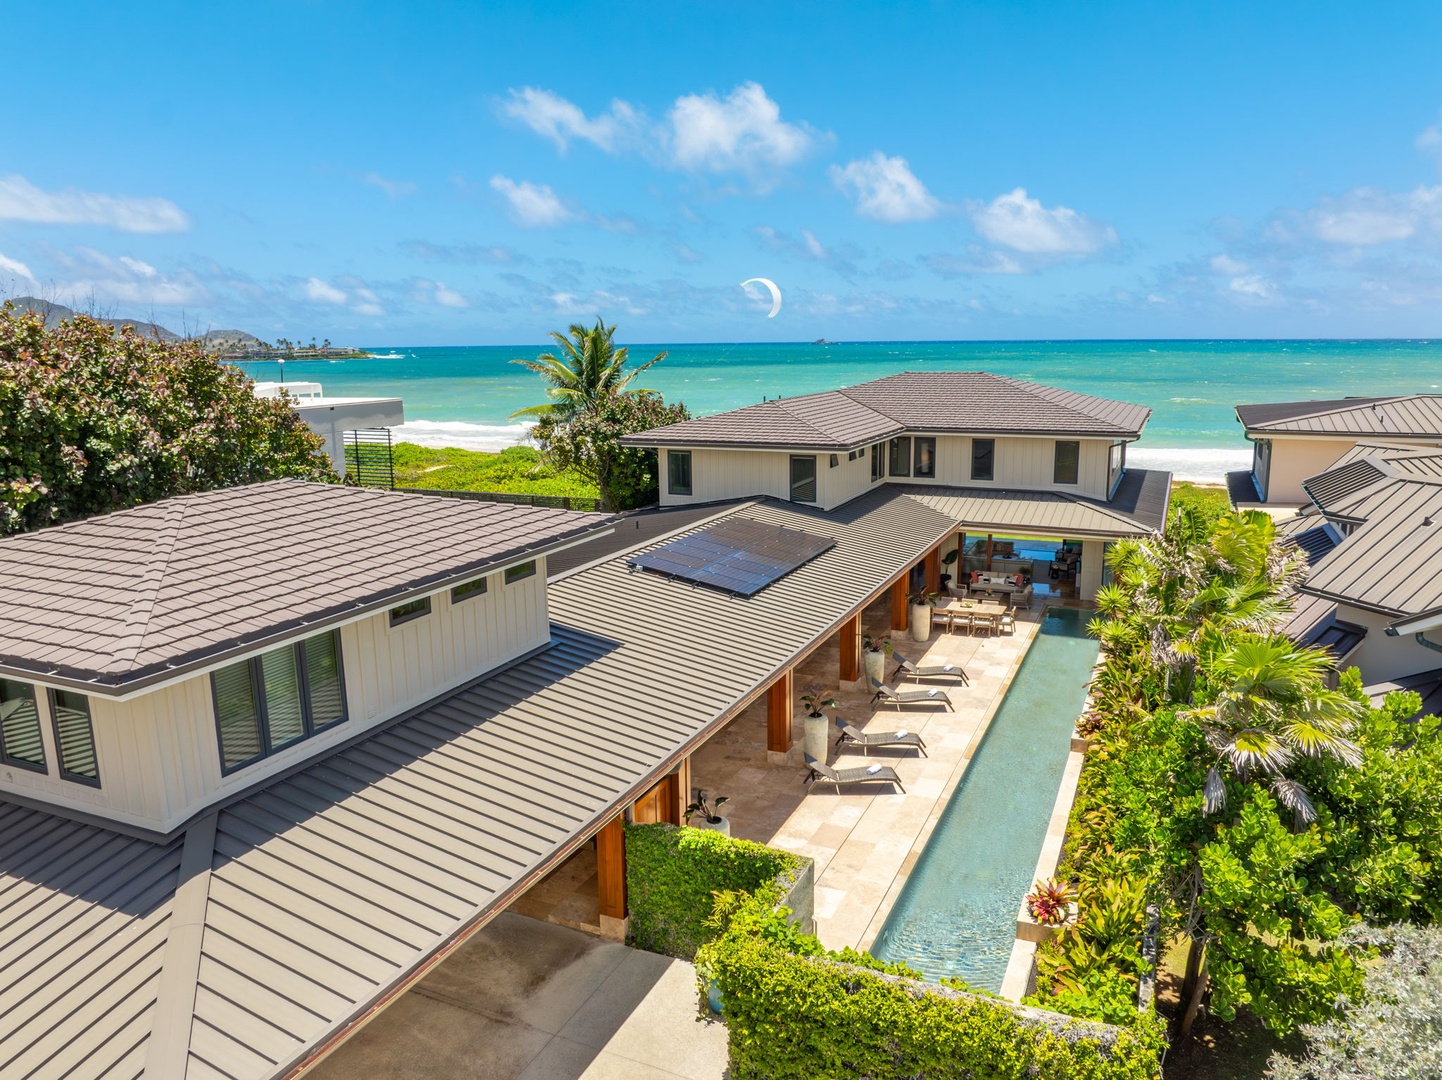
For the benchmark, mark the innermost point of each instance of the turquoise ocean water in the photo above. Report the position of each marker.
(463, 396)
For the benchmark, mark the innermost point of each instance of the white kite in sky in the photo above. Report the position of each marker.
(775, 293)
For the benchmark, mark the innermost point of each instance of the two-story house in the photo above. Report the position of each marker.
(1001, 456)
(1292, 440)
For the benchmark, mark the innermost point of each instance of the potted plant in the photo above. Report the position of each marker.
(873, 657)
(816, 698)
(921, 603)
(705, 809)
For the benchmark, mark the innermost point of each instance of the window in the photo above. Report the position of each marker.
(20, 741)
(520, 572)
(74, 737)
(835, 461)
(271, 701)
(1064, 469)
(925, 457)
(678, 472)
(468, 590)
(1116, 461)
(877, 461)
(983, 459)
(803, 479)
(900, 463)
(851, 455)
(411, 609)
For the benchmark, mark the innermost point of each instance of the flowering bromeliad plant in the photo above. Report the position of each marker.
(1048, 902)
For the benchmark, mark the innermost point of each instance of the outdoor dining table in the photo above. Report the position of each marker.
(988, 609)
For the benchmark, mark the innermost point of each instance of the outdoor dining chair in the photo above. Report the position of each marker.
(941, 618)
(1007, 621)
(867, 774)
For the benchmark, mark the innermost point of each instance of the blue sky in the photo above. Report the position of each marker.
(479, 174)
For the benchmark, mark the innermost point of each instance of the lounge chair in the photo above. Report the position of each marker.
(867, 774)
(928, 671)
(933, 696)
(866, 739)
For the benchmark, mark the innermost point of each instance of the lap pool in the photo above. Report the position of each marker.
(956, 915)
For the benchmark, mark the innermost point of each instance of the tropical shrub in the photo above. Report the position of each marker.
(1393, 1030)
(93, 419)
(1048, 902)
(588, 444)
(1094, 967)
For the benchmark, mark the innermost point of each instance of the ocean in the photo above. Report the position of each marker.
(464, 396)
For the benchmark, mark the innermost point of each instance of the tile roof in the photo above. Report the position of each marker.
(1411, 415)
(125, 597)
(927, 401)
(1138, 508)
(326, 889)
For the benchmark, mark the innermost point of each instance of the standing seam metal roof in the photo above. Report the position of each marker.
(1412, 415)
(328, 886)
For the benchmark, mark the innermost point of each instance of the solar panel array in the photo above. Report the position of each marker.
(738, 555)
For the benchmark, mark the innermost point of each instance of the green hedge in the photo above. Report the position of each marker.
(792, 1017)
(672, 876)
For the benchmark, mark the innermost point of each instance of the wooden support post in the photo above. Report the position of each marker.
(988, 552)
(898, 605)
(932, 568)
(611, 869)
(778, 714)
(851, 649)
(683, 789)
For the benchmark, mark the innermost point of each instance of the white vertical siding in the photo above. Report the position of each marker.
(1093, 560)
(733, 474)
(159, 753)
(840, 485)
(1021, 463)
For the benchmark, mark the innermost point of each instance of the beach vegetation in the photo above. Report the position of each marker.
(95, 419)
(589, 445)
(516, 470)
(587, 371)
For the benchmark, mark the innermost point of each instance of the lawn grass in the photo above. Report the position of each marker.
(517, 470)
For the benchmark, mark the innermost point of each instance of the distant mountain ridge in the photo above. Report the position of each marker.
(54, 314)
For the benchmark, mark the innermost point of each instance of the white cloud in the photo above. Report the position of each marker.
(365, 302)
(1430, 141)
(444, 295)
(1021, 223)
(809, 247)
(322, 292)
(534, 206)
(1367, 216)
(1226, 266)
(21, 200)
(559, 120)
(885, 189)
(15, 268)
(1254, 287)
(740, 133)
(89, 277)
(394, 189)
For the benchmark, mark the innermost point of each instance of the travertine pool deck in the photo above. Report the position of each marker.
(866, 838)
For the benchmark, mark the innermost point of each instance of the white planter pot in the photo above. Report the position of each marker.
(875, 664)
(720, 825)
(921, 622)
(816, 730)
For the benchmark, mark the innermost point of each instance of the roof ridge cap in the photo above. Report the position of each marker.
(779, 403)
(137, 617)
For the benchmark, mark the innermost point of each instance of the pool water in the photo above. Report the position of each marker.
(956, 915)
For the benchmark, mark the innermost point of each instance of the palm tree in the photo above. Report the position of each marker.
(588, 371)
(1271, 706)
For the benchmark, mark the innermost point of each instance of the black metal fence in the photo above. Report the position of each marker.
(368, 457)
(555, 502)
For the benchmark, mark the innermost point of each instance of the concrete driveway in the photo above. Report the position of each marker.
(528, 1000)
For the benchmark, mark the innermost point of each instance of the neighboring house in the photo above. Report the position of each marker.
(1292, 440)
(1373, 536)
(272, 752)
(357, 431)
(998, 455)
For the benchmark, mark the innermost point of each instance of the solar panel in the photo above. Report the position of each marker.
(739, 555)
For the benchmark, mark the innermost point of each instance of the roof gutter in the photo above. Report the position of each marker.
(1417, 624)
